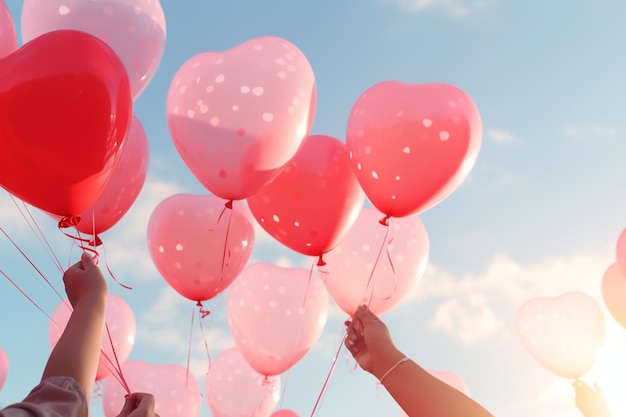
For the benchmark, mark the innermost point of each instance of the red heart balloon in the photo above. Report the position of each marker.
(65, 109)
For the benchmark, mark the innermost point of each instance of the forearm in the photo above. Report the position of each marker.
(77, 352)
(421, 394)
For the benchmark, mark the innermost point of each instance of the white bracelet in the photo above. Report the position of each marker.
(390, 370)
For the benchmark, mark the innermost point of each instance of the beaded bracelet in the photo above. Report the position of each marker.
(390, 370)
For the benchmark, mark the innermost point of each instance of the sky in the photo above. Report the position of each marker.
(538, 216)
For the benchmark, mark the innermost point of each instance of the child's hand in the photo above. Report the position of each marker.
(84, 280)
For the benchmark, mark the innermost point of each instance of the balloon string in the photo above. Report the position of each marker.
(385, 223)
(299, 332)
(330, 373)
(117, 362)
(393, 270)
(106, 264)
(24, 294)
(204, 338)
(31, 263)
(193, 316)
(38, 232)
(226, 250)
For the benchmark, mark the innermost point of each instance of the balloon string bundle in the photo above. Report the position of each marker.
(117, 370)
(298, 334)
(203, 314)
(384, 222)
(34, 227)
(118, 374)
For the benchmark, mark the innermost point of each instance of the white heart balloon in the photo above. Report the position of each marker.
(562, 333)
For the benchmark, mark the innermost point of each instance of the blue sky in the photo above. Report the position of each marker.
(539, 215)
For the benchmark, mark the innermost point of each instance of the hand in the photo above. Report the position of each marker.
(590, 402)
(369, 341)
(84, 280)
(138, 405)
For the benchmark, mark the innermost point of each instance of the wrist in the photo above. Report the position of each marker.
(386, 361)
(92, 302)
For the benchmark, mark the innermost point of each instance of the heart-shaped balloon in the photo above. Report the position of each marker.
(4, 368)
(176, 392)
(134, 29)
(376, 264)
(614, 293)
(562, 333)
(412, 145)
(620, 251)
(313, 201)
(63, 120)
(238, 116)
(8, 37)
(124, 186)
(276, 315)
(198, 245)
(452, 379)
(234, 389)
(122, 329)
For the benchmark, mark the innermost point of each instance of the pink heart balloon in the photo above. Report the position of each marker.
(284, 413)
(198, 245)
(354, 277)
(8, 37)
(176, 392)
(276, 315)
(620, 251)
(412, 145)
(451, 379)
(120, 320)
(134, 29)
(4, 368)
(562, 333)
(234, 389)
(614, 293)
(238, 116)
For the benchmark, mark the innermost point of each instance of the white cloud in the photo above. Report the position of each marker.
(470, 307)
(166, 326)
(590, 131)
(501, 136)
(455, 8)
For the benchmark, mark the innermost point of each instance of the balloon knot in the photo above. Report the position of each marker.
(203, 312)
(68, 221)
(229, 204)
(96, 241)
(320, 261)
(385, 220)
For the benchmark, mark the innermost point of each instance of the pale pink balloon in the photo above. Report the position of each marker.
(4, 368)
(614, 293)
(620, 251)
(8, 37)
(276, 315)
(451, 379)
(176, 391)
(198, 245)
(124, 186)
(354, 277)
(284, 413)
(238, 116)
(412, 145)
(234, 389)
(122, 327)
(314, 200)
(134, 29)
(562, 333)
